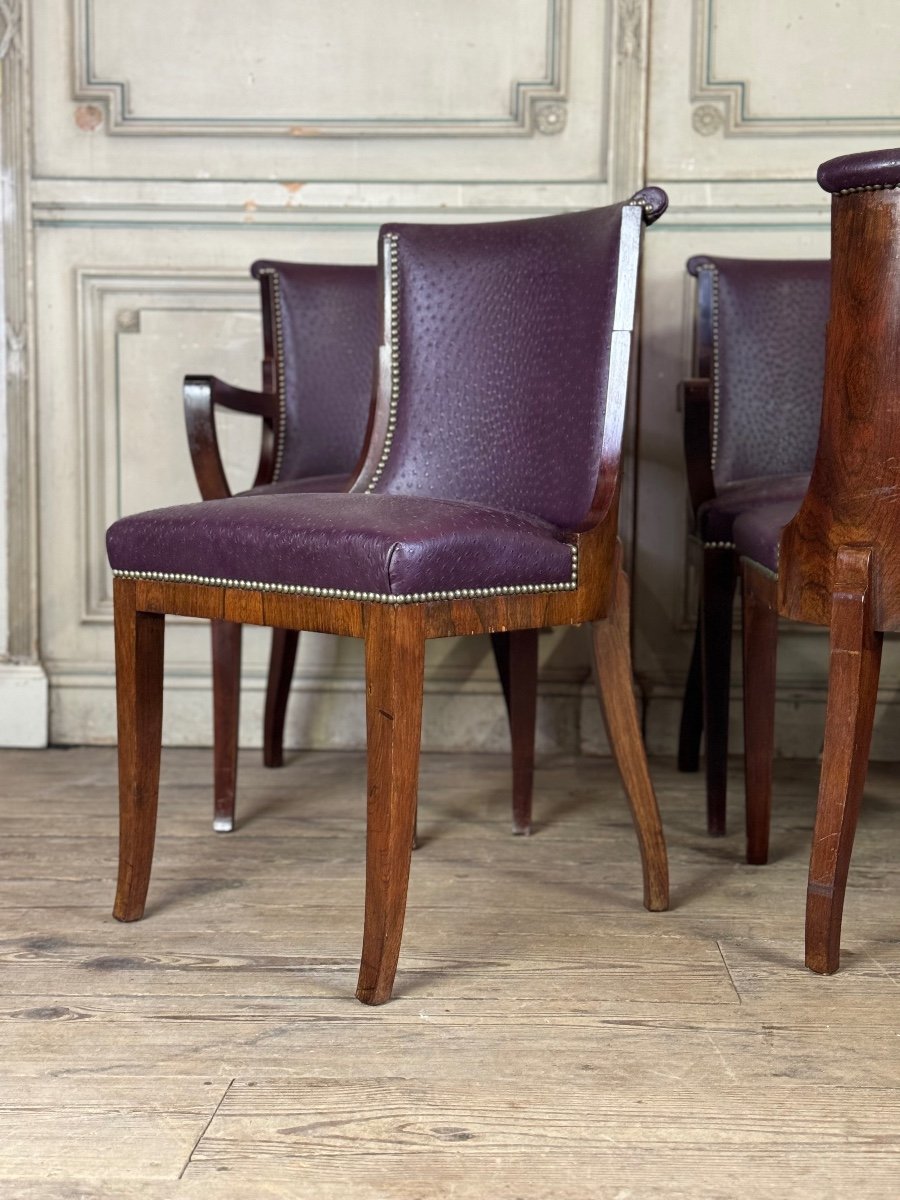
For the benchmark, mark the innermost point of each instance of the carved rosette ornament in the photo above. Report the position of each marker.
(707, 120)
(550, 117)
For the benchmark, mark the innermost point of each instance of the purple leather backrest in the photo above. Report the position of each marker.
(322, 333)
(768, 363)
(500, 359)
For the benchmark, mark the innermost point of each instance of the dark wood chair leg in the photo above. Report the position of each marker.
(278, 689)
(395, 667)
(523, 670)
(226, 664)
(690, 730)
(760, 652)
(615, 684)
(139, 692)
(852, 690)
(500, 647)
(719, 578)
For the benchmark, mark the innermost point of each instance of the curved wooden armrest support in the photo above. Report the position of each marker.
(201, 395)
(694, 396)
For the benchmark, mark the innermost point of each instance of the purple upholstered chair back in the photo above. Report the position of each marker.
(765, 353)
(320, 329)
(496, 356)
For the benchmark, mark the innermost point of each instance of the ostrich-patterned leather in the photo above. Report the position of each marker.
(504, 335)
(394, 545)
(768, 364)
(329, 333)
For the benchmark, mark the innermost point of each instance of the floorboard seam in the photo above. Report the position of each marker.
(728, 971)
(205, 1128)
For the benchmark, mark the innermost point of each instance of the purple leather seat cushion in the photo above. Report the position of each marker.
(716, 518)
(757, 533)
(375, 545)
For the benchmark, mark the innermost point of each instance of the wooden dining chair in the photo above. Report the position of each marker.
(836, 561)
(751, 416)
(320, 341)
(487, 501)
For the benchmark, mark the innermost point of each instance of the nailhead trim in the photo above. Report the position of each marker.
(348, 594)
(714, 451)
(391, 240)
(280, 383)
(718, 546)
(868, 187)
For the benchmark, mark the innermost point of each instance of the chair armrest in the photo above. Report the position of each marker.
(696, 405)
(201, 395)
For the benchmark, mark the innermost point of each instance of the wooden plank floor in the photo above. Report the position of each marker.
(549, 1038)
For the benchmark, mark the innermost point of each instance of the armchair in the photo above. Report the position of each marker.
(751, 415)
(486, 501)
(320, 339)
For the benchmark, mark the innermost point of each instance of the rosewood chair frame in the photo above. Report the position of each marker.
(395, 636)
(839, 558)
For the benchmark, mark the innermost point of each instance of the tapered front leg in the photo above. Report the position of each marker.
(690, 731)
(226, 663)
(852, 690)
(395, 666)
(139, 680)
(760, 651)
(719, 580)
(281, 673)
(615, 684)
(523, 671)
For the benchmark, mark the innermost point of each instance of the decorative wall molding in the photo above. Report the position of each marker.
(535, 105)
(726, 106)
(18, 573)
(110, 306)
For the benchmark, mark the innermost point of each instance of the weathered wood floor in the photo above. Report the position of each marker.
(549, 1038)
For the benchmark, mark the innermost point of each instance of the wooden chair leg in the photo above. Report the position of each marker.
(281, 672)
(500, 647)
(516, 657)
(226, 665)
(615, 684)
(719, 580)
(395, 667)
(852, 690)
(690, 731)
(523, 669)
(139, 690)
(760, 650)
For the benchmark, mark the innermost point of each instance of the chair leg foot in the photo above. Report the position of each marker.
(615, 684)
(719, 579)
(854, 667)
(690, 730)
(139, 693)
(282, 658)
(760, 650)
(395, 665)
(226, 664)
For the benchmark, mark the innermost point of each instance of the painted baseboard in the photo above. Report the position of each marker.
(323, 714)
(23, 705)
